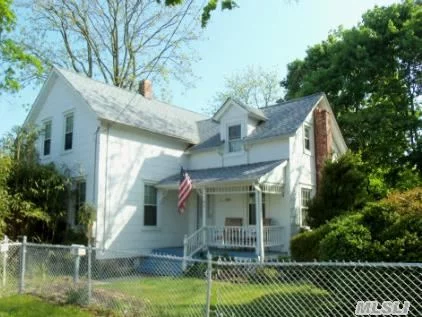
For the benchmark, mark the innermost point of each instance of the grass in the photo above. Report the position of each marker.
(30, 306)
(180, 297)
(155, 296)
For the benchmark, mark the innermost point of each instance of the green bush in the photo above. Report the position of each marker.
(347, 239)
(304, 246)
(389, 230)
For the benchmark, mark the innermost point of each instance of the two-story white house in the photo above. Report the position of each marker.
(253, 170)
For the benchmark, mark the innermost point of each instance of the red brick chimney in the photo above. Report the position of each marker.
(323, 140)
(145, 88)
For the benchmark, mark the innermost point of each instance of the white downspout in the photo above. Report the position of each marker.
(204, 216)
(259, 224)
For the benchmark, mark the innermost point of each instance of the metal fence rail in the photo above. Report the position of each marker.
(133, 284)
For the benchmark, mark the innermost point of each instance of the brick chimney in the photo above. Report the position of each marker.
(145, 88)
(323, 140)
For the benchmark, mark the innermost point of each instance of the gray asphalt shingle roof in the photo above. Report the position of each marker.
(236, 173)
(283, 119)
(126, 107)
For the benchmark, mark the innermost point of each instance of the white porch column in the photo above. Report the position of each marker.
(259, 224)
(204, 216)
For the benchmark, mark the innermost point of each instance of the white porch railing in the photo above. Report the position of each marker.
(231, 237)
(243, 237)
(195, 242)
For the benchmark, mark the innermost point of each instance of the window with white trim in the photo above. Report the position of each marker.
(307, 138)
(235, 138)
(68, 133)
(150, 205)
(47, 138)
(304, 205)
(252, 208)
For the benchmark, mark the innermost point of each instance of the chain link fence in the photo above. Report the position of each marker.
(132, 284)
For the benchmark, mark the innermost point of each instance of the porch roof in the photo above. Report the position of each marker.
(262, 172)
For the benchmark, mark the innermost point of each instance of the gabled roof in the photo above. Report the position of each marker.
(130, 108)
(252, 112)
(237, 173)
(283, 119)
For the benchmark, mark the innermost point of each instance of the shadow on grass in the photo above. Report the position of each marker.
(275, 305)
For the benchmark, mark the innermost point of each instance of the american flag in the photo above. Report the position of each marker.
(185, 187)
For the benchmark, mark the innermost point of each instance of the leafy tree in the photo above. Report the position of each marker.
(32, 196)
(254, 86)
(344, 187)
(372, 75)
(16, 65)
(5, 165)
(119, 42)
(210, 6)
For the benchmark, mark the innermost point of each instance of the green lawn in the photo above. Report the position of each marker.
(150, 296)
(165, 296)
(29, 306)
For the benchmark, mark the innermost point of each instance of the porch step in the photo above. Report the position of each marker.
(161, 266)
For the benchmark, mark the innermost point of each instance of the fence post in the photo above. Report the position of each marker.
(77, 264)
(209, 285)
(185, 252)
(22, 267)
(89, 273)
(6, 247)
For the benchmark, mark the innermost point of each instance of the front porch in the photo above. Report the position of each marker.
(237, 216)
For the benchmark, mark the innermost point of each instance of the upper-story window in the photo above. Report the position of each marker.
(150, 205)
(47, 138)
(307, 138)
(235, 138)
(68, 134)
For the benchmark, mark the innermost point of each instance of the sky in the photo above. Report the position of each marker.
(270, 33)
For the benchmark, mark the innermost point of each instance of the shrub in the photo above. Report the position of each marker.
(77, 296)
(389, 230)
(305, 246)
(347, 239)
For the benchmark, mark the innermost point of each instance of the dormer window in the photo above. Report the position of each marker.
(235, 138)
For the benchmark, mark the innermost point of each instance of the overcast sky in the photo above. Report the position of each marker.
(271, 36)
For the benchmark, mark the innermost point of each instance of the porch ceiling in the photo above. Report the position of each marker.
(271, 172)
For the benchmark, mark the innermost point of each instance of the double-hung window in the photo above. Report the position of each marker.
(235, 138)
(47, 138)
(304, 205)
(307, 138)
(68, 133)
(150, 205)
(252, 208)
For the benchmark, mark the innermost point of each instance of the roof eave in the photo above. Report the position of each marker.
(195, 185)
(185, 140)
